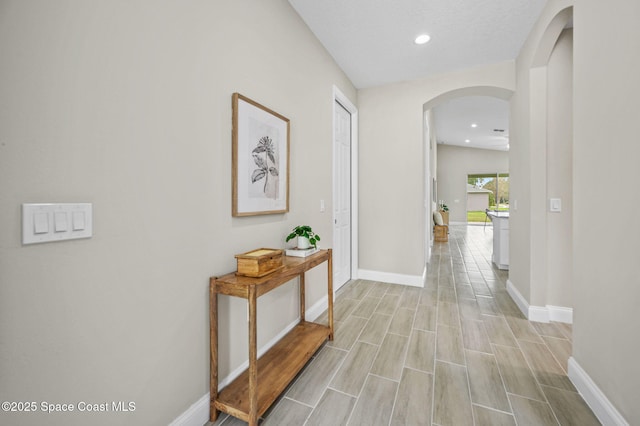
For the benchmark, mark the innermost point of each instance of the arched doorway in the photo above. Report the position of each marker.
(430, 161)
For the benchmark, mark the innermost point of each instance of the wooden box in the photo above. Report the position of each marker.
(259, 262)
(441, 233)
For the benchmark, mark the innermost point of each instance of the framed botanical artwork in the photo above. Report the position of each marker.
(260, 159)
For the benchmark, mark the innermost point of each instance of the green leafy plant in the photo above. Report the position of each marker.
(304, 231)
(444, 207)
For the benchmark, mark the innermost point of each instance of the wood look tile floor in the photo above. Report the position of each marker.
(457, 352)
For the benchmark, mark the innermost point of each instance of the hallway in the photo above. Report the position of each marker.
(458, 352)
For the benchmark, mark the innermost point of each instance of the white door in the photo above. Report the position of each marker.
(342, 197)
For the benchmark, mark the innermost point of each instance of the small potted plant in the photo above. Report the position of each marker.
(444, 211)
(306, 237)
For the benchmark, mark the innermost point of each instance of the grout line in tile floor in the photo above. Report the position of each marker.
(435, 361)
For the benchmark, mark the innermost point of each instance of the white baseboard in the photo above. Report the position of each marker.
(391, 278)
(560, 314)
(604, 410)
(198, 413)
(518, 298)
(317, 309)
(539, 313)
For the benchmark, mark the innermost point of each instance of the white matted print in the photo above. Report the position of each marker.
(260, 162)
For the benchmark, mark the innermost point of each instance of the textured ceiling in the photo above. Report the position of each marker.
(372, 41)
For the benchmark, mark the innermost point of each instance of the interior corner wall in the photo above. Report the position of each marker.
(127, 105)
(606, 341)
(392, 164)
(454, 164)
(559, 177)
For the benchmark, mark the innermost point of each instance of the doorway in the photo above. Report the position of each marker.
(344, 190)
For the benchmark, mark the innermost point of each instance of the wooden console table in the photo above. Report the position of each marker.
(251, 393)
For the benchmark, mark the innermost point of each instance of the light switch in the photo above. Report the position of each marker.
(78, 221)
(555, 204)
(60, 222)
(40, 223)
(321, 205)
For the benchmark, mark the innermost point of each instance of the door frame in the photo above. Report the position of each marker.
(343, 100)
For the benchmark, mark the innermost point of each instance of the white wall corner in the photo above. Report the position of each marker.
(196, 415)
(391, 278)
(604, 410)
(539, 313)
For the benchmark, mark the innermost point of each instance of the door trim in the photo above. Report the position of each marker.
(343, 100)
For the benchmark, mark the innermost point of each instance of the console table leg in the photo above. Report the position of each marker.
(253, 358)
(302, 298)
(213, 330)
(330, 291)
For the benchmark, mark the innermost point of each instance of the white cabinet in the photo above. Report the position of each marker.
(500, 239)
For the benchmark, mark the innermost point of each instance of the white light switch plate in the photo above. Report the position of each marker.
(555, 205)
(42, 223)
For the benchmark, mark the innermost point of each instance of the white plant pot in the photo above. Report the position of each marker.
(303, 243)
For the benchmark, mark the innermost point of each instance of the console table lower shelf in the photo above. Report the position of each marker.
(276, 369)
(252, 393)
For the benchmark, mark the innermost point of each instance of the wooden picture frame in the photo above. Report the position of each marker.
(260, 159)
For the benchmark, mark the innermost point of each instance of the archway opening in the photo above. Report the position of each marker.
(431, 147)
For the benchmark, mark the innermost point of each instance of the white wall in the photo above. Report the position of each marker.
(454, 164)
(606, 284)
(127, 105)
(392, 162)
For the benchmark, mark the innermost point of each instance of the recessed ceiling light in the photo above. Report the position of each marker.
(467, 140)
(474, 125)
(422, 39)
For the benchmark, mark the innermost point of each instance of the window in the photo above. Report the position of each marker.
(486, 191)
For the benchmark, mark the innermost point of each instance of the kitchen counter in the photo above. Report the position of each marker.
(500, 239)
